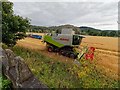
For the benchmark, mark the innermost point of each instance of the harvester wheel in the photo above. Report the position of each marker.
(61, 52)
(50, 48)
(72, 56)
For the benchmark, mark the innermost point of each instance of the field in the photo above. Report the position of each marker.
(106, 53)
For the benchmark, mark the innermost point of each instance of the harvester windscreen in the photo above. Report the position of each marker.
(76, 40)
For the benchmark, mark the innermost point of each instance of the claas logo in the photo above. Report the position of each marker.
(64, 39)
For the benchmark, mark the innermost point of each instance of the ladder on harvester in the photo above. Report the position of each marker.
(83, 51)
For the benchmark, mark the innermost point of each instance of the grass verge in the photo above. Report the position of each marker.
(57, 74)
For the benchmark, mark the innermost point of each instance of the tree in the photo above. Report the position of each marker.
(14, 27)
(104, 33)
(113, 33)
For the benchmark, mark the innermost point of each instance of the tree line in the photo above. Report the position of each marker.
(97, 32)
(78, 30)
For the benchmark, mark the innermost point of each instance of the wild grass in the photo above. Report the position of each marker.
(57, 74)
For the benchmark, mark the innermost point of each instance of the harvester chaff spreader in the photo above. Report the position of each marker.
(65, 43)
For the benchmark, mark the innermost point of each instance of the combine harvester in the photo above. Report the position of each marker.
(65, 43)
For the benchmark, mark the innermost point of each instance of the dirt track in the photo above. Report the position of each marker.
(106, 50)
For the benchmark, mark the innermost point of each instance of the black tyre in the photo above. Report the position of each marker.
(65, 53)
(61, 52)
(72, 55)
(50, 48)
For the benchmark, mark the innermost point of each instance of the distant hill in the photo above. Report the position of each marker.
(84, 30)
(97, 32)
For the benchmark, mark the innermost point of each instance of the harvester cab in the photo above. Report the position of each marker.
(64, 43)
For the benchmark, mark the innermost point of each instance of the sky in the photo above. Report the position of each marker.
(99, 14)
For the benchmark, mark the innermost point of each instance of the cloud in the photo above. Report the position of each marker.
(64, 0)
(97, 14)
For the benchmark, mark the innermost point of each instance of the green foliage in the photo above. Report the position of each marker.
(57, 74)
(13, 27)
(5, 83)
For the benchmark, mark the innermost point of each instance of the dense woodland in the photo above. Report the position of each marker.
(84, 30)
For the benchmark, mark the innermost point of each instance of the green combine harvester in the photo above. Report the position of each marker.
(65, 43)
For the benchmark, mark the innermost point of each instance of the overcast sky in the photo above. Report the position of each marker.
(100, 15)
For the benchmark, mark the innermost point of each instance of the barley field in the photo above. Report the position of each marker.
(104, 43)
